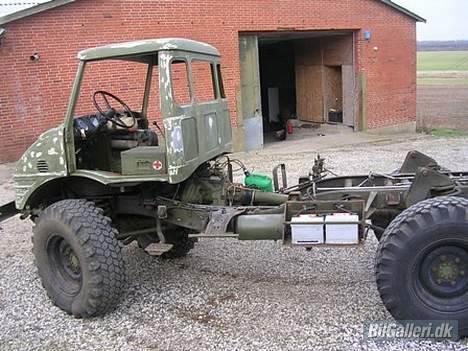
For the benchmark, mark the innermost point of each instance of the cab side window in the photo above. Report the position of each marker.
(220, 80)
(180, 82)
(203, 81)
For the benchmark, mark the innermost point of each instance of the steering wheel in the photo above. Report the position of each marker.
(112, 114)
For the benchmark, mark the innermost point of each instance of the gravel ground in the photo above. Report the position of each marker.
(226, 295)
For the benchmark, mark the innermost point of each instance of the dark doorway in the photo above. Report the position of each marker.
(333, 93)
(308, 76)
(278, 83)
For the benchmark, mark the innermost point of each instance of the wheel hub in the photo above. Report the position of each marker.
(70, 261)
(443, 271)
(66, 264)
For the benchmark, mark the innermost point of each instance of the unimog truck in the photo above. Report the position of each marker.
(106, 179)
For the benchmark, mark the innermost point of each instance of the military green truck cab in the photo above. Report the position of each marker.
(117, 175)
(114, 144)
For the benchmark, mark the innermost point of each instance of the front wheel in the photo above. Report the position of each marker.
(78, 258)
(422, 262)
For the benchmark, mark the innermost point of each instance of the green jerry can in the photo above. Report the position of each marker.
(259, 181)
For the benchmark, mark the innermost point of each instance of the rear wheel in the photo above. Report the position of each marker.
(78, 258)
(422, 262)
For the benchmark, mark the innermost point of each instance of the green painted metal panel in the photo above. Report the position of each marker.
(196, 132)
(44, 160)
(142, 47)
(251, 106)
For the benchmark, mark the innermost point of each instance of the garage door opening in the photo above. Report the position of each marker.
(309, 76)
(277, 82)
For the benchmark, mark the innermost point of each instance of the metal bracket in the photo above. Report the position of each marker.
(283, 177)
(414, 160)
(425, 181)
(157, 249)
(162, 212)
(219, 220)
(162, 238)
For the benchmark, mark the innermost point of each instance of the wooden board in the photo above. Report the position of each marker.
(309, 93)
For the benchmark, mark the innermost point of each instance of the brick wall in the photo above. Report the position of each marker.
(34, 95)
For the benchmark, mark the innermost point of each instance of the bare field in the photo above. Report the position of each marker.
(443, 106)
(443, 90)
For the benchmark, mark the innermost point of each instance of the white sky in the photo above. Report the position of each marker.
(10, 6)
(446, 19)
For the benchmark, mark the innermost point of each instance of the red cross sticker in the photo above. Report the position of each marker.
(157, 165)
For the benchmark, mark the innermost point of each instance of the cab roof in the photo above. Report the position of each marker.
(140, 50)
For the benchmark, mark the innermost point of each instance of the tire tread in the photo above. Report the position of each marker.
(99, 242)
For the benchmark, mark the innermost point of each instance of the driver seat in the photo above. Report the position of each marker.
(126, 140)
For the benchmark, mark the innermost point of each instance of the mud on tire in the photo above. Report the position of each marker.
(78, 258)
(422, 262)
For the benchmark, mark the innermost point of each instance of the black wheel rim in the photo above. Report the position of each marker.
(65, 265)
(441, 280)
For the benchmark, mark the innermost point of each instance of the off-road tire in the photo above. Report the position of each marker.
(408, 265)
(78, 258)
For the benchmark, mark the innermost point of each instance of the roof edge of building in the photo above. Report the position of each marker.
(33, 10)
(404, 10)
(56, 3)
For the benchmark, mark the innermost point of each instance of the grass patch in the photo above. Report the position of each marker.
(441, 132)
(443, 61)
(442, 81)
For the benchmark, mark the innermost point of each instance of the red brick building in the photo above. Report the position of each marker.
(350, 60)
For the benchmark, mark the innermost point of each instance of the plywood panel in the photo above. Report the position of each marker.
(348, 95)
(331, 51)
(309, 93)
(337, 50)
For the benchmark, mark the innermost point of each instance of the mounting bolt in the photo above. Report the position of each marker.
(453, 282)
(443, 258)
(439, 281)
(462, 273)
(434, 269)
(457, 260)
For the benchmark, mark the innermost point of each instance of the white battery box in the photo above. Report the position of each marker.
(342, 228)
(308, 230)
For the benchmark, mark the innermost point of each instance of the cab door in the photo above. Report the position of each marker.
(196, 117)
(211, 108)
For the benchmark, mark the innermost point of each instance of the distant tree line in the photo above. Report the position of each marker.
(451, 45)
